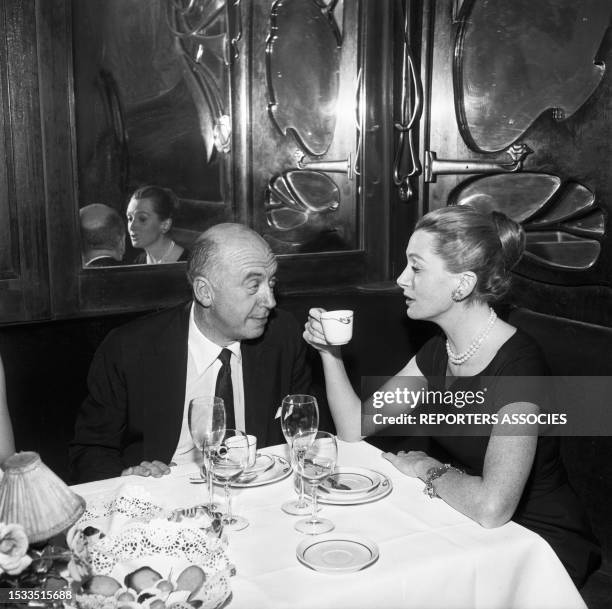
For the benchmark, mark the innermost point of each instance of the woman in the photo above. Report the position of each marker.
(7, 442)
(459, 262)
(149, 217)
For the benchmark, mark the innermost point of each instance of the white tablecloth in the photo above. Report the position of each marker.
(431, 556)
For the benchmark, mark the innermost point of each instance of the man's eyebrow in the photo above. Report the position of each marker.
(258, 274)
(253, 275)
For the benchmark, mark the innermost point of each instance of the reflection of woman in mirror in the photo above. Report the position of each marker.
(149, 217)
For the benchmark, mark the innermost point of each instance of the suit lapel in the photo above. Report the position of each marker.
(258, 375)
(166, 388)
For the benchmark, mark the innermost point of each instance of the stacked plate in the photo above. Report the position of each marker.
(353, 486)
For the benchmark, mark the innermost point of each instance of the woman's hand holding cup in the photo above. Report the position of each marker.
(315, 334)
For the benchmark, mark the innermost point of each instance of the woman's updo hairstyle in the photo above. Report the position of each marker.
(488, 244)
(163, 199)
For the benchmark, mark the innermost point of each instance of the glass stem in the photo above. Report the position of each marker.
(313, 490)
(302, 496)
(209, 481)
(228, 503)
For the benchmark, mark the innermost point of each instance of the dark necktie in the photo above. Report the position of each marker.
(224, 389)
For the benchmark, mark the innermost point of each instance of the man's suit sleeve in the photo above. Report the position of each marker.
(95, 452)
(306, 361)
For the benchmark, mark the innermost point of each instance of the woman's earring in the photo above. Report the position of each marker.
(457, 295)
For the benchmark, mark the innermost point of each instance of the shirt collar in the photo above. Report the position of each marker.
(202, 350)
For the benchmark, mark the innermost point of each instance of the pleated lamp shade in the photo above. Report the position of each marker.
(33, 496)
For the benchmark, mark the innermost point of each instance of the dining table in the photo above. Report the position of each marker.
(430, 556)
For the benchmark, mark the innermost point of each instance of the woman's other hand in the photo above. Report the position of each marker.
(414, 463)
(313, 332)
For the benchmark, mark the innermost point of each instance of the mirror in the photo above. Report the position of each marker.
(152, 87)
(508, 75)
(303, 63)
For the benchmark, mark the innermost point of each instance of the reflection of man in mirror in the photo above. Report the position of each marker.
(102, 235)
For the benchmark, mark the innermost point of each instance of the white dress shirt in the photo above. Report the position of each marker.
(203, 367)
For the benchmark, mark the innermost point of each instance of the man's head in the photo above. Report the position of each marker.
(102, 232)
(233, 272)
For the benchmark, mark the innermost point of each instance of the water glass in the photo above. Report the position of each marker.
(315, 455)
(299, 413)
(206, 419)
(230, 460)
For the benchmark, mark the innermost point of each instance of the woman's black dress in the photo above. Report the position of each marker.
(548, 505)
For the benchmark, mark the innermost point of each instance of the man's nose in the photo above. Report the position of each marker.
(267, 298)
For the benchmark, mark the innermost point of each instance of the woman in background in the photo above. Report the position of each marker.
(7, 442)
(149, 217)
(458, 263)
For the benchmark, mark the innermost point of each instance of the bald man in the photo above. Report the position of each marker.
(103, 234)
(144, 374)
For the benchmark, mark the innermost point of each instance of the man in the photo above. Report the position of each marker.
(144, 374)
(102, 236)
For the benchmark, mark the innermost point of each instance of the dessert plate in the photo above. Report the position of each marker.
(336, 497)
(351, 481)
(337, 553)
(280, 469)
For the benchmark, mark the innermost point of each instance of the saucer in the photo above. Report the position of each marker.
(337, 553)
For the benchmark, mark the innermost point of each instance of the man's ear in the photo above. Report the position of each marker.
(203, 291)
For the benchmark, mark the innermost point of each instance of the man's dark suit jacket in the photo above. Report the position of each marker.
(137, 390)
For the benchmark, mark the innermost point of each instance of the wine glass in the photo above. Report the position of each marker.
(315, 455)
(206, 418)
(230, 460)
(299, 413)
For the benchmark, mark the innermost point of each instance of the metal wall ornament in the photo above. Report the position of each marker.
(411, 109)
(207, 36)
(517, 153)
(303, 54)
(564, 227)
(512, 63)
(295, 196)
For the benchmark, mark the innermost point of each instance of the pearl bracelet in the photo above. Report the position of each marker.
(433, 473)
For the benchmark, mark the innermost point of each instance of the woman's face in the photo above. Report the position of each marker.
(144, 224)
(426, 282)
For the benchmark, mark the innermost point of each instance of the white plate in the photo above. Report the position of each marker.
(279, 471)
(334, 498)
(351, 481)
(337, 553)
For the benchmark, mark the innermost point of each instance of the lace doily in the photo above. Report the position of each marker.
(132, 502)
(160, 537)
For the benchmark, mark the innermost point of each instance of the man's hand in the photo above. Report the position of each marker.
(157, 469)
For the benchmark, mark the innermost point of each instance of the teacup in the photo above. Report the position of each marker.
(337, 326)
(252, 441)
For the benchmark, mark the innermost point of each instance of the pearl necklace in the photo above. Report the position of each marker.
(166, 253)
(461, 358)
